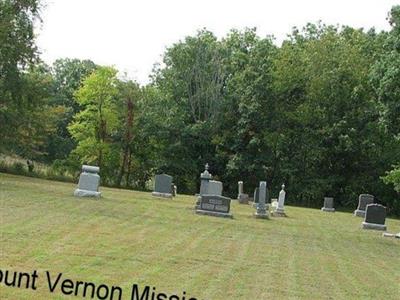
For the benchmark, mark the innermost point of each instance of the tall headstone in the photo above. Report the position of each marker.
(261, 211)
(214, 205)
(363, 201)
(256, 197)
(280, 209)
(162, 186)
(375, 217)
(205, 178)
(328, 205)
(89, 182)
(242, 197)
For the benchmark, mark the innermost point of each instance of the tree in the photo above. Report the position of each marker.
(68, 75)
(385, 76)
(94, 126)
(130, 93)
(17, 52)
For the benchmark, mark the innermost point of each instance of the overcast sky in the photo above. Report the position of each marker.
(132, 35)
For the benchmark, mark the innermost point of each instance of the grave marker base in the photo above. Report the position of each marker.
(243, 199)
(279, 213)
(214, 214)
(85, 193)
(261, 215)
(328, 209)
(161, 195)
(359, 213)
(373, 226)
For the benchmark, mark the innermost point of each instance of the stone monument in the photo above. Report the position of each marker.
(214, 205)
(363, 201)
(205, 178)
(162, 186)
(280, 209)
(256, 197)
(261, 210)
(214, 188)
(328, 205)
(89, 182)
(375, 216)
(242, 198)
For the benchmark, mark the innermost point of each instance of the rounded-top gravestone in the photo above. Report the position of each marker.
(363, 201)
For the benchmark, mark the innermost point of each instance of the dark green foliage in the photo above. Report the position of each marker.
(320, 113)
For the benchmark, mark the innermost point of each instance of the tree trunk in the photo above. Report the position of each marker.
(127, 140)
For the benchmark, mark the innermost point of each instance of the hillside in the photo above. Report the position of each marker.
(130, 237)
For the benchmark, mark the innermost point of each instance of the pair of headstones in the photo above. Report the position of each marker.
(363, 201)
(374, 214)
(163, 186)
(89, 182)
(278, 209)
(210, 200)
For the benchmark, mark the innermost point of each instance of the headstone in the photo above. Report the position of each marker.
(375, 216)
(328, 205)
(162, 186)
(256, 197)
(363, 201)
(243, 198)
(280, 209)
(214, 188)
(89, 182)
(205, 178)
(261, 211)
(214, 205)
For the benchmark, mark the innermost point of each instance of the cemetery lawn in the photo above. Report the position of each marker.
(130, 237)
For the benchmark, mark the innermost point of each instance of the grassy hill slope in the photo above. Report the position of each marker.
(130, 237)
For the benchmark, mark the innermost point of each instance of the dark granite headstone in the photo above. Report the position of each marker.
(375, 217)
(376, 214)
(162, 186)
(214, 205)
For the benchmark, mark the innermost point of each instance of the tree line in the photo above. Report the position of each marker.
(320, 112)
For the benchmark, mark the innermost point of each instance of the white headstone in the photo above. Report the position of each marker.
(240, 186)
(280, 209)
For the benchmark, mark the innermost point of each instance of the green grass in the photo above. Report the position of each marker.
(130, 237)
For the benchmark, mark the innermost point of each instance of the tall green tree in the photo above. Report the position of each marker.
(95, 124)
(68, 75)
(17, 52)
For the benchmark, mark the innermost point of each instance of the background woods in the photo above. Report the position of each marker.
(321, 112)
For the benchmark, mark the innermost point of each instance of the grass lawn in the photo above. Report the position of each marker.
(130, 237)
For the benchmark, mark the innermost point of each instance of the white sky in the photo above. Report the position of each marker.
(132, 35)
